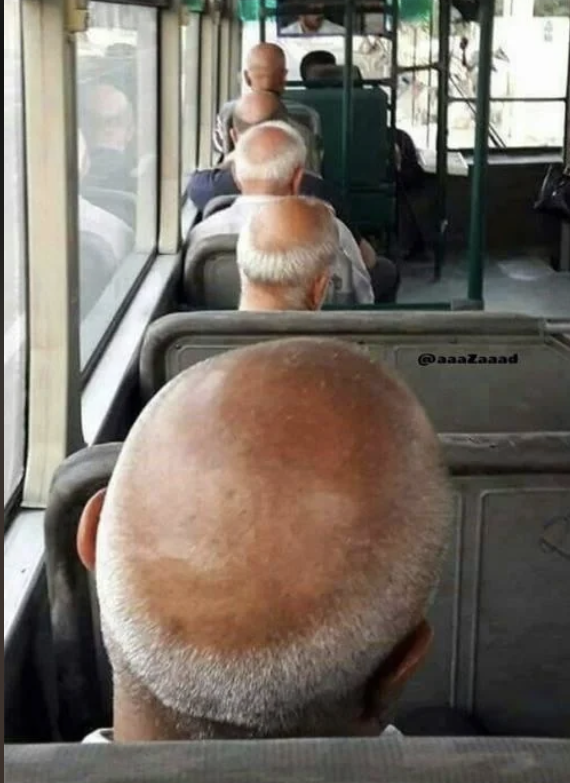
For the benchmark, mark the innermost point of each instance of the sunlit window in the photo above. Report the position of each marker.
(117, 149)
(190, 34)
(14, 255)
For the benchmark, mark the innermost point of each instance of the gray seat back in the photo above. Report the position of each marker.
(392, 760)
(530, 394)
(218, 203)
(211, 276)
(305, 115)
(83, 673)
(502, 641)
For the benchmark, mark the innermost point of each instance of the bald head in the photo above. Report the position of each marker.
(273, 529)
(255, 108)
(286, 254)
(269, 159)
(266, 68)
(110, 117)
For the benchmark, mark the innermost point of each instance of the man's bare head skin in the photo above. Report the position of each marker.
(269, 160)
(111, 122)
(253, 109)
(266, 68)
(267, 547)
(286, 254)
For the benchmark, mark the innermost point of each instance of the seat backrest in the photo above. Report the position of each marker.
(393, 760)
(369, 148)
(502, 642)
(83, 675)
(430, 350)
(218, 203)
(211, 276)
(306, 116)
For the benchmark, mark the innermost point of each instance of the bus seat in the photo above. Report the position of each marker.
(118, 202)
(211, 277)
(371, 193)
(350, 760)
(306, 116)
(83, 674)
(501, 650)
(527, 395)
(218, 203)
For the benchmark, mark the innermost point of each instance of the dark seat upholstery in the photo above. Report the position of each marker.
(529, 395)
(218, 203)
(371, 192)
(502, 644)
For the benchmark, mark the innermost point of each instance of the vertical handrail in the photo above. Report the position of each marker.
(262, 21)
(480, 155)
(347, 100)
(442, 134)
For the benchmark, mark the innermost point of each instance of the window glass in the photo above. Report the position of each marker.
(524, 34)
(14, 254)
(117, 150)
(190, 71)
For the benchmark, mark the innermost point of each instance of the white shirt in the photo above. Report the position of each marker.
(98, 221)
(327, 28)
(106, 735)
(234, 218)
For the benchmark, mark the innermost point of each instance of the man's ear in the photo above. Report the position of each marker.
(297, 180)
(87, 530)
(386, 685)
(319, 291)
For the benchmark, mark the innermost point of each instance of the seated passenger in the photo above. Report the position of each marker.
(268, 547)
(265, 72)
(260, 107)
(286, 255)
(313, 23)
(268, 164)
(109, 127)
(250, 110)
(95, 220)
(315, 59)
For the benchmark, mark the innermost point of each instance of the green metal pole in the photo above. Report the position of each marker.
(480, 156)
(347, 102)
(442, 128)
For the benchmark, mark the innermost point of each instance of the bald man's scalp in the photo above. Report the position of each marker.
(265, 56)
(271, 464)
(273, 502)
(283, 224)
(255, 108)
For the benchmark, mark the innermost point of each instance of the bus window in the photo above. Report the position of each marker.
(117, 145)
(190, 41)
(14, 254)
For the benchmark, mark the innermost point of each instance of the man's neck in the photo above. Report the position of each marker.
(258, 300)
(266, 189)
